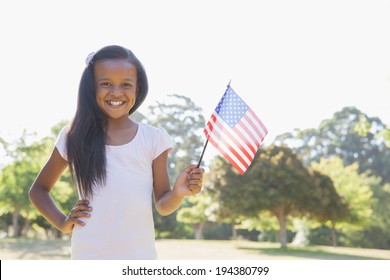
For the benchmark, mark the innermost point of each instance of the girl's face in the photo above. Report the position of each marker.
(116, 87)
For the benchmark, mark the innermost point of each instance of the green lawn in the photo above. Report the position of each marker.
(33, 249)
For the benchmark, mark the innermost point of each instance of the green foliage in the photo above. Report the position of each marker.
(267, 222)
(338, 137)
(365, 127)
(355, 190)
(28, 156)
(377, 234)
(278, 183)
(352, 186)
(217, 231)
(17, 177)
(357, 138)
(195, 211)
(385, 134)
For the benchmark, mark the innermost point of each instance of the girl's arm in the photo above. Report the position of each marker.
(189, 182)
(40, 195)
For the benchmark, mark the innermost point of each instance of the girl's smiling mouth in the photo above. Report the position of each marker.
(115, 103)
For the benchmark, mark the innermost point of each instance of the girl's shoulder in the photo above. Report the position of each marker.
(146, 126)
(63, 132)
(157, 138)
(65, 129)
(60, 142)
(150, 129)
(156, 135)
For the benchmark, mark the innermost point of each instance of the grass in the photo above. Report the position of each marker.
(35, 249)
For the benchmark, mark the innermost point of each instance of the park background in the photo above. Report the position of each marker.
(317, 73)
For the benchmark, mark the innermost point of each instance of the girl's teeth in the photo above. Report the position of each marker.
(115, 103)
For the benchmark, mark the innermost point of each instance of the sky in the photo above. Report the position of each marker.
(295, 63)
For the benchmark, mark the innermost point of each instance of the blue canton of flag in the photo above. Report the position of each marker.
(231, 108)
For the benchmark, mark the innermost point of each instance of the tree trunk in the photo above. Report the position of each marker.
(334, 236)
(26, 228)
(47, 233)
(234, 231)
(199, 231)
(57, 234)
(283, 228)
(15, 223)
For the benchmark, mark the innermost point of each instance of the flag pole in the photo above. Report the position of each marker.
(207, 140)
(201, 156)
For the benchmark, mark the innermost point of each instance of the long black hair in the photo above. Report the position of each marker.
(87, 133)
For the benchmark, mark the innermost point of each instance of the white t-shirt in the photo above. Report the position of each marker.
(121, 224)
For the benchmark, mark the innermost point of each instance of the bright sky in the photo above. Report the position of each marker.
(294, 62)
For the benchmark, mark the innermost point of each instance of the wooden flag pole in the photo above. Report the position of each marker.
(207, 141)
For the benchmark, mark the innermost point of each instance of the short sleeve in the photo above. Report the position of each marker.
(61, 143)
(163, 143)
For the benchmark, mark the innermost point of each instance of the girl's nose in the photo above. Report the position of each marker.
(116, 91)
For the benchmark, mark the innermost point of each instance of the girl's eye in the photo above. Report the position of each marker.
(106, 84)
(127, 85)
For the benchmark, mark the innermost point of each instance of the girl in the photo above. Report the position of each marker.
(117, 163)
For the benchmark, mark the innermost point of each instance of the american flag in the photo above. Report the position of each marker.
(235, 130)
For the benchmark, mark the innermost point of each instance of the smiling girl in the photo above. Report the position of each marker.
(118, 165)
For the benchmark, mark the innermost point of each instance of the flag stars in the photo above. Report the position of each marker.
(231, 108)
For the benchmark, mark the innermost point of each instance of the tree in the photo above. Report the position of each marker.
(354, 137)
(17, 177)
(366, 127)
(331, 207)
(220, 173)
(276, 182)
(338, 137)
(354, 189)
(196, 213)
(377, 235)
(3, 149)
(27, 156)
